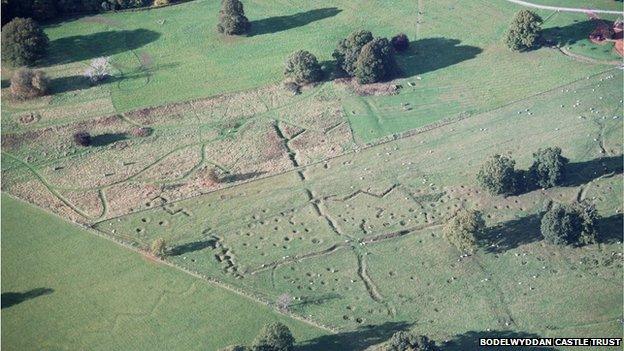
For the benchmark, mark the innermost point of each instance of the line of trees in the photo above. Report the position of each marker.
(43, 10)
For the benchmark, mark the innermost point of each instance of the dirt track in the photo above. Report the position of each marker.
(563, 9)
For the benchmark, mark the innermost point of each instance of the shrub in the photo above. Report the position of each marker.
(82, 138)
(348, 50)
(141, 132)
(400, 42)
(375, 62)
(27, 84)
(303, 67)
(158, 247)
(98, 69)
(463, 229)
(548, 167)
(569, 224)
(283, 302)
(407, 341)
(274, 337)
(161, 2)
(232, 20)
(524, 31)
(498, 176)
(23, 42)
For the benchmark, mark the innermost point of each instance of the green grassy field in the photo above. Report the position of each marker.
(64, 288)
(174, 54)
(614, 5)
(360, 244)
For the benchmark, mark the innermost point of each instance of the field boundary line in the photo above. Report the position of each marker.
(564, 9)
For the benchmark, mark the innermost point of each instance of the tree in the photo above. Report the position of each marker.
(548, 167)
(524, 31)
(400, 42)
(348, 50)
(274, 337)
(407, 341)
(303, 67)
(27, 84)
(375, 62)
(569, 224)
(99, 69)
(232, 20)
(23, 42)
(158, 247)
(463, 229)
(498, 175)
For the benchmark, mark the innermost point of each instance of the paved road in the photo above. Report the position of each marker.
(563, 9)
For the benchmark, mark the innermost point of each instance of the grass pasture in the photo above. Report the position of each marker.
(357, 244)
(333, 197)
(64, 288)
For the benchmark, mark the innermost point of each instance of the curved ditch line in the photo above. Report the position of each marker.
(564, 9)
(586, 59)
(397, 234)
(49, 187)
(371, 288)
(104, 202)
(299, 258)
(132, 177)
(499, 307)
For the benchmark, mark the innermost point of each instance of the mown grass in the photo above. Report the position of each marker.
(614, 5)
(63, 288)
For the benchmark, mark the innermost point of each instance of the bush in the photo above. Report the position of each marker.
(98, 70)
(498, 176)
(274, 337)
(400, 42)
(23, 42)
(569, 224)
(283, 302)
(27, 84)
(161, 2)
(82, 138)
(232, 20)
(548, 167)
(303, 67)
(158, 247)
(348, 50)
(407, 341)
(463, 229)
(524, 31)
(375, 62)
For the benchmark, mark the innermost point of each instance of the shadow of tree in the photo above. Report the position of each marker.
(231, 178)
(610, 229)
(568, 35)
(470, 341)
(193, 246)
(358, 339)
(431, 54)
(583, 172)
(282, 23)
(511, 234)
(107, 139)
(13, 298)
(85, 47)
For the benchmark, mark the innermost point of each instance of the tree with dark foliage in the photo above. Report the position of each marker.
(232, 20)
(23, 42)
(524, 31)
